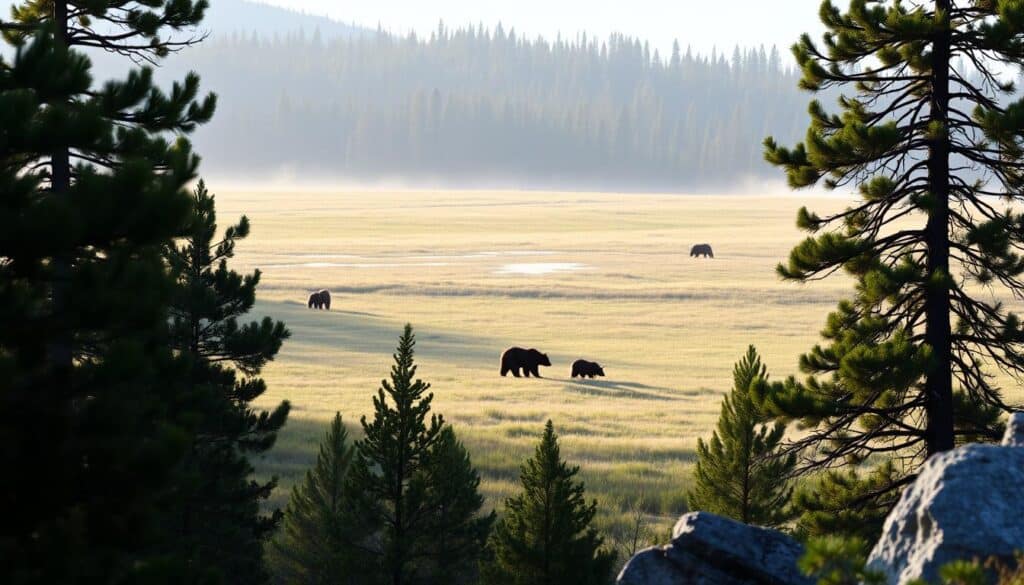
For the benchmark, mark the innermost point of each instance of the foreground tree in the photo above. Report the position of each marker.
(933, 140)
(832, 560)
(834, 503)
(218, 517)
(544, 536)
(411, 486)
(456, 531)
(740, 473)
(137, 112)
(317, 544)
(94, 401)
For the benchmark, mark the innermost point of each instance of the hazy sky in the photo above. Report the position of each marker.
(700, 23)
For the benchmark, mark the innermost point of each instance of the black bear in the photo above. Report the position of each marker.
(528, 360)
(585, 369)
(320, 300)
(702, 250)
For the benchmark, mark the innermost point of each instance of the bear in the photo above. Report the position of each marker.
(314, 301)
(528, 360)
(702, 250)
(585, 369)
(319, 300)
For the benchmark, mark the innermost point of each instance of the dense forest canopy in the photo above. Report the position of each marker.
(475, 106)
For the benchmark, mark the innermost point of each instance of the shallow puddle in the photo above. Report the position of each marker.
(359, 264)
(536, 268)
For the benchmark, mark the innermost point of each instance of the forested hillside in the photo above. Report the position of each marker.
(480, 107)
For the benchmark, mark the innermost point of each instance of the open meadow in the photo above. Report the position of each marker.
(599, 276)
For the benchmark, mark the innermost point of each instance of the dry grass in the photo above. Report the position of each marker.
(666, 327)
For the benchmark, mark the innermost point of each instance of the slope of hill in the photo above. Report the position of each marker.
(239, 16)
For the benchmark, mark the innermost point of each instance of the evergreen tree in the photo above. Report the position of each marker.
(316, 545)
(833, 503)
(832, 560)
(740, 473)
(139, 111)
(219, 520)
(455, 531)
(411, 486)
(94, 403)
(544, 536)
(931, 146)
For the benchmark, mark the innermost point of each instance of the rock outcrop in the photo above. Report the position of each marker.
(710, 550)
(965, 504)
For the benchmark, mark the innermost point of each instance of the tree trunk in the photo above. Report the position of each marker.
(747, 448)
(399, 532)
(939, 382)
(59, 350)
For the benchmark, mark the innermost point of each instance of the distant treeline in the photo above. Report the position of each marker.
(480, 106)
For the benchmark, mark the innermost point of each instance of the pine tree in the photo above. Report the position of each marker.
(316, 545)
(93, 400)
(456, 532)
(411, 486)
(832, 560)
(544, 536)
(740, 472)
(218, 518)
(931, 145)
(140, 111)
(833, 503)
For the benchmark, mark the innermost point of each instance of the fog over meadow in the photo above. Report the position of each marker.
(306, 100)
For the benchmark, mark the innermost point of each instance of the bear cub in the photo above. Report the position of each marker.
(585, 369)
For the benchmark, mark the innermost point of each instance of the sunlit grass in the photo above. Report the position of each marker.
(666, 327)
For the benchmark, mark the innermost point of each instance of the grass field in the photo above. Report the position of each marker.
(603, 277)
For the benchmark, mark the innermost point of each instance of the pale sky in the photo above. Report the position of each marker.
(700, 23)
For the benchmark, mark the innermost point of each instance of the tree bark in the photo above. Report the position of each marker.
(59, 351)
(939, 382)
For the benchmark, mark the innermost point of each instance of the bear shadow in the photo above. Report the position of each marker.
(614, 389)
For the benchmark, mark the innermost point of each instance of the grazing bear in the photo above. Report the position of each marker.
(702, 250)
(528, 360)
(320, 300)
(585, 369)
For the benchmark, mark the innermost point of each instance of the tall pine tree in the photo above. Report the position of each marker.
(317, 543)
(93, 399)
(933, 141)
(140, 113)
(218, 519)
(740, 472)
(544, 536)
(411, 487)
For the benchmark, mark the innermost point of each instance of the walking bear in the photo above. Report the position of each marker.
(702, 250)
(585, 369)
(320, 300)
(527, 360)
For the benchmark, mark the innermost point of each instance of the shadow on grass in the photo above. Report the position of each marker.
(360, 332)
(318, 336)
(614, 389)
(658, 476)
